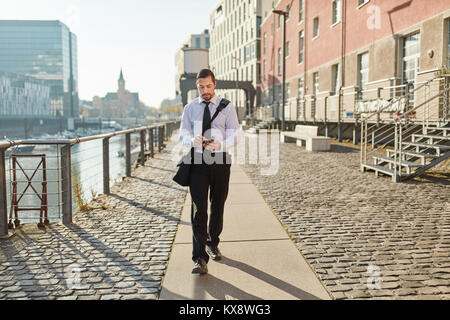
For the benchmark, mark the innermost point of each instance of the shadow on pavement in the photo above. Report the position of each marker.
(145, 208)
(159, 184)
(273, 281)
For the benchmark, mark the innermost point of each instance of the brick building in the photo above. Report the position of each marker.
(340, 52)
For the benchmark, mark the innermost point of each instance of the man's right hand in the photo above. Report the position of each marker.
(198, 140)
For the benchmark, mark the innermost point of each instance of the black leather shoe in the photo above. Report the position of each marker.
(200, 267)
(214, 253)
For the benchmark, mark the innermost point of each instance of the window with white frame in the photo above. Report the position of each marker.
(335, 83)
(363, 70)
(411, 57)
(315, 83)
(279, 93)
(264, 43)
(336, 14)
(448, 43)
(288, 91)
(361, 2)
(300, 46)
(316, 27)
(301, 10)
(264, 71)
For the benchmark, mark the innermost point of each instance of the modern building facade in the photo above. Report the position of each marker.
(191, 58)
(120, 104)
(198, 41)
(45, 50)
(23, 96)
(344, 51)
(235, 45)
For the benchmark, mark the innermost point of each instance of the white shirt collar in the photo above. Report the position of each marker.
(215, 100)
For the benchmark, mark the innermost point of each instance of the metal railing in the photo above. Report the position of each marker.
(426, 104)
(346, 103)
(62, 167)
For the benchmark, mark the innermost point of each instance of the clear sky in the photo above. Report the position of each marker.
(140, 36)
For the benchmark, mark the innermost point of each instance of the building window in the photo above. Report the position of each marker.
(207, 43)
(264, 71)
(258, 27)
(361, 2)
(287, 49)
(288, 10)
(300, 46)
(411, 57)
(251, 73)
(279, 21)
(258, 73)
(336, 14)
(279, 93)
(301, 10)
(258, 49)
(264, 43)
(335, 83)
(363, 70)
(279, 61)
(315, 83)
(301, 91)
(197, 42)
(316, 27)
(448, 43)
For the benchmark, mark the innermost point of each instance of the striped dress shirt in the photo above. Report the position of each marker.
(225, 128)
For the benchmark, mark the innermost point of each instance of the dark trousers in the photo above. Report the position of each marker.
(214, 178)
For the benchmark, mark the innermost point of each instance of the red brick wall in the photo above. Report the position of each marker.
(394, 16)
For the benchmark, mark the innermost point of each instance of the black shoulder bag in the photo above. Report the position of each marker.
(184, 166)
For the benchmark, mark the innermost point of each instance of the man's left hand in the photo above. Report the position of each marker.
(213, 146)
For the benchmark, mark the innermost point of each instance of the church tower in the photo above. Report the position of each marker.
(121, 83)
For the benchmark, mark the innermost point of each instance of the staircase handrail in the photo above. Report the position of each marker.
(395, 100)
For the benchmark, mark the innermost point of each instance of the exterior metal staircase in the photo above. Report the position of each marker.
(406, 147)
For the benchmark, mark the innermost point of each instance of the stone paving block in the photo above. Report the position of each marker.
(110, 297)
(16, 295)
(428, 290)
(363, 226)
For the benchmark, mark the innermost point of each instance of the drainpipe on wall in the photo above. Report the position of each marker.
(305, 39)
(342, 71)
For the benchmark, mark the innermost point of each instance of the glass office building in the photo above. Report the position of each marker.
(44, 50)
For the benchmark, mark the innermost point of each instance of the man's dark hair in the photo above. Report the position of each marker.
(205, 73)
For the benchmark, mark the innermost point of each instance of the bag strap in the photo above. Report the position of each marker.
(222, 105)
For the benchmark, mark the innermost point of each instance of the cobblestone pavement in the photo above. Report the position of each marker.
(119, 250)
(365, 237)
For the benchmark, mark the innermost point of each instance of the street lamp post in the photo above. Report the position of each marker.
(284, 14)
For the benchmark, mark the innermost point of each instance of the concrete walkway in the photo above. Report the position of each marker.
(259, 259)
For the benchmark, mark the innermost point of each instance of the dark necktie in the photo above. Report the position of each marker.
(206, 121)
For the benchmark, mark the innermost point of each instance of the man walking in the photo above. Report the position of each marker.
(211, 168)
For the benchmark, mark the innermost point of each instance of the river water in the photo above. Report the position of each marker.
(87, 169)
